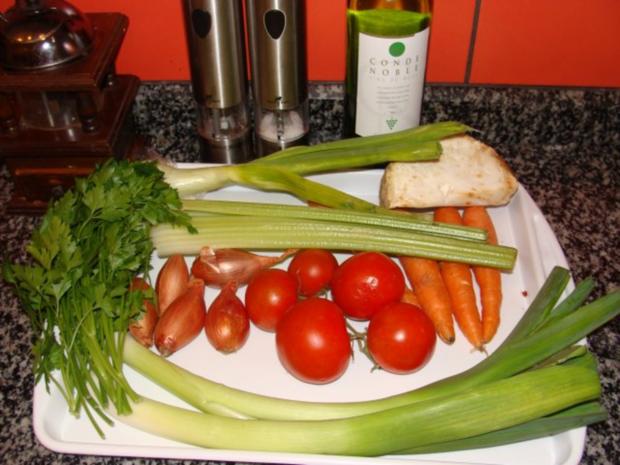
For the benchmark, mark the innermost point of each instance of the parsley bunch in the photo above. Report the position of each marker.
(89, 246)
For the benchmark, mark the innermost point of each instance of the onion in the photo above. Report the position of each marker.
(217, 267)
(227, 324)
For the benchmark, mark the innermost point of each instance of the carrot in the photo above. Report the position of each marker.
(489, 279)
(459, 282)
(409, 297)
(427, 283)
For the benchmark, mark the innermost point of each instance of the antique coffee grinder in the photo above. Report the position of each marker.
(63, 108)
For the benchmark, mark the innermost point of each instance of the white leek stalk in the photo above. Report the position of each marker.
(520, 399)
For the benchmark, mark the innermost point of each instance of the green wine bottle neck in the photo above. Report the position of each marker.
(423, 6)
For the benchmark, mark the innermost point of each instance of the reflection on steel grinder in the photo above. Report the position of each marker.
(276, 30)
(217, 61)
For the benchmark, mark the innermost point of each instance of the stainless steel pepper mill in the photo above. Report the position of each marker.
(276, 30)
(218, 69)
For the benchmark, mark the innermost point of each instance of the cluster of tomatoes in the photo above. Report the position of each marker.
(308, 305)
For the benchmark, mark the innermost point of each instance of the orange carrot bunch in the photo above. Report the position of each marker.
(432, 295)
(459, 282)
(445, 290)
(489, 279)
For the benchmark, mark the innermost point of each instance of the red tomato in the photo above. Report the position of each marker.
(269, 294)
(366, 282)
(401, 338)
(313, 269)
(312, 341)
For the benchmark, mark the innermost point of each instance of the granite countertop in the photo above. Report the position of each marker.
(563, 145)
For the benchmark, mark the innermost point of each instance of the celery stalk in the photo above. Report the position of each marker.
(195, 180)
(401, 220)
(251, 232)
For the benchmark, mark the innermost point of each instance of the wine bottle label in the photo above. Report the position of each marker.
(390, 82)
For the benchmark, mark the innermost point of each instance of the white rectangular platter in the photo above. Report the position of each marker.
(256, 367)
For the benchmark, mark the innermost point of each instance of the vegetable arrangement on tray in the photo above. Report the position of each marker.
(95, 241)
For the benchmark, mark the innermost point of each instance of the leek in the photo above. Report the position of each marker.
(574, 417)
(520, 399)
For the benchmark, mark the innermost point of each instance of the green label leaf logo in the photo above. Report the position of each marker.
(397, 49)
(391, 122)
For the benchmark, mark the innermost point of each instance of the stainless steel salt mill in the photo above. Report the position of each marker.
(276, 30)
(216, 45)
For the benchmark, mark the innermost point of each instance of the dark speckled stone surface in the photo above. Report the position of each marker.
(563, 145)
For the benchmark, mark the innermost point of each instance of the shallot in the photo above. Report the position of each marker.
(142, 327)
(227, 324)
(171, 281)
(216, 267)
(182, 321)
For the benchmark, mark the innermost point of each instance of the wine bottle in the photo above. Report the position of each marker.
(386, 63)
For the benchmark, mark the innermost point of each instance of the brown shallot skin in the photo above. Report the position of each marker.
(182, 321)
(171, 281)
(142, 328)
(227, 324)
(217, 267)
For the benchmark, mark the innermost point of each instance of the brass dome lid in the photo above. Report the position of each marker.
(38, 34)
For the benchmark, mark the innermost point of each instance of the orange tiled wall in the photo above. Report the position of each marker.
(525, 42)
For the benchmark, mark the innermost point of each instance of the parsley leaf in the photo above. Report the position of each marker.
(88, 247)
